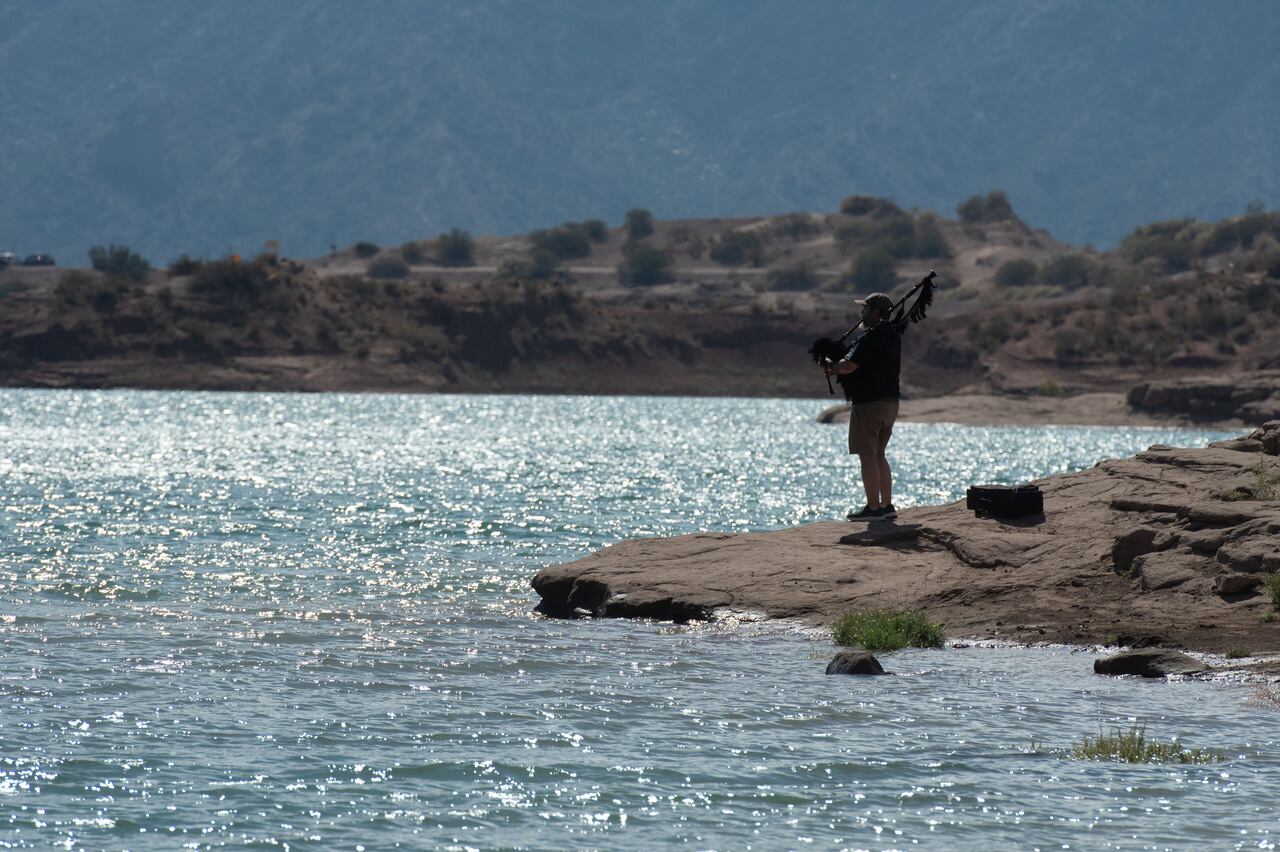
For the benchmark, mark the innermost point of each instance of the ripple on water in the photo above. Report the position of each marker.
(245, 618)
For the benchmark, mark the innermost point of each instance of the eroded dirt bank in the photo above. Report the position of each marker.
(1169, 547)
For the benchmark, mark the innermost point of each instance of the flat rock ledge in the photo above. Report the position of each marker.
(1252, 397)
(1145, 546)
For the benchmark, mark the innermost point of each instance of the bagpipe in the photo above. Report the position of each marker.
(826, 351)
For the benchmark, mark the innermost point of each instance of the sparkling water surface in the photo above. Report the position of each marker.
(292, 620)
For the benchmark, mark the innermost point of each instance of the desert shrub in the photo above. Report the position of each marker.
(992, 333)
(1238, 233)
(231, 279)
(540, 265)
(644, 266)
(104, 299)
(996, 207)
(387, 267)
(365, 249)
(896, 235)
(1272, 587)
(1016, 273)
(798, 277)
(970, 210)
(993, 207)
(412, 253)
(869, 205)
(639, 224)
(185, 266)
(73, 285)
(873, 270)
(1171, 243)
(1254, 225)
(544, 265)
(929, 239)
(795, 226)
(597, 230)
(455, 248)
(734, 248)
(1270, 265)
(887, 630)
(851, 235)
(1214, 317)
(1068, 345)
(568, 241)
(1173, 254)
(858, 205)
(120, 261)
(1220, 238)
(1066, 270)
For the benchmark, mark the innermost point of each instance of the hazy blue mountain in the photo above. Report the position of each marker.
(185, 125)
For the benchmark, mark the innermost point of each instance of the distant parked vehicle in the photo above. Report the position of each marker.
(39, 260)
(7, 258)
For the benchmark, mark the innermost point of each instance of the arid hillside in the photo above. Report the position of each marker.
(685, 307)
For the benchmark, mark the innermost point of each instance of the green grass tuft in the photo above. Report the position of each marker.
(1132, 747)
(887, 630)
(1266, 486)
(1268, 617)
(1238, 653)
(1272, 585)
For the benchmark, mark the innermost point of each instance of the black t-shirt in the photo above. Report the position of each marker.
(879, 359)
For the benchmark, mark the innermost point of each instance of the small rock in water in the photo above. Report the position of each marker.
(1149, 662)
(855, 663)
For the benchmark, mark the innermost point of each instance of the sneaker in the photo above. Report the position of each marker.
(889, 512)
(867, 514)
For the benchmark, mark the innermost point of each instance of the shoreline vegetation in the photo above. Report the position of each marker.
(1132, 746)
(1025, 329)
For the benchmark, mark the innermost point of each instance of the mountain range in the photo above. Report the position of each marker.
(179, 126)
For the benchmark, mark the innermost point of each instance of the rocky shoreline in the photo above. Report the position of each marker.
(1253, 397)
(1103, 408)
(1169, 548)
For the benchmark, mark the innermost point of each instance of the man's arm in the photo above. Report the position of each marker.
(841, 368)
(870, 343)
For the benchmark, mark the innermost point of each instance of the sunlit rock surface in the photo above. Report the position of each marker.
(1173, 541)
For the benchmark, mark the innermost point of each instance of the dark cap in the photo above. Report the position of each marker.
(880, 301)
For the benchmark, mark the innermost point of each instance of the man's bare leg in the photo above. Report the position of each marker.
(886, 480)
(871, 479)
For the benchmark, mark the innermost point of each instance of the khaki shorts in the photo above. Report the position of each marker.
(871, 426)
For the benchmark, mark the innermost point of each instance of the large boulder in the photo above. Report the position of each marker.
(1251, 397)
(1235, 584)
(1265, 439)
(1149, 662)
(855, 663)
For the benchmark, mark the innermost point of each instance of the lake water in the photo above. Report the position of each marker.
(291, 620)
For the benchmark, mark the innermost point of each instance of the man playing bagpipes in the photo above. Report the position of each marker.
(867, 369)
